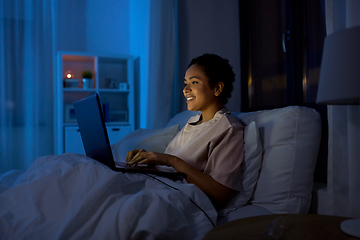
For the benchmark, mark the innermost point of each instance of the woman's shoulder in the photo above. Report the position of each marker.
(222, 119)
(225, 117)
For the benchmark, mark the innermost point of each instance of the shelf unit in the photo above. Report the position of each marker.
(112, 78)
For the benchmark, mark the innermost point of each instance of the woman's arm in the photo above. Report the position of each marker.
(219, 194)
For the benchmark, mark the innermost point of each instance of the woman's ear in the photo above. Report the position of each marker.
(219, 88)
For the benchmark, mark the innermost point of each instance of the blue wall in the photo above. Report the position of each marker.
(108, 28)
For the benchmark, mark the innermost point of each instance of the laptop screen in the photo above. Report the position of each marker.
(93, 131)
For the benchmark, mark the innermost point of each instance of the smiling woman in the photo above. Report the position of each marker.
(216, 78)
(207, 148)
(199, 96)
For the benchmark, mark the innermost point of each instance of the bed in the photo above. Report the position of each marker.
(71, 196)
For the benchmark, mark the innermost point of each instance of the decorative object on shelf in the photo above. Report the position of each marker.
(111, 83)
(69, 114)
(123, 86)
(87, 79)
(339, 84)
(69, 75)
(69, 81)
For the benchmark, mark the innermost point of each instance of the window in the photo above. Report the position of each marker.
(281, 48)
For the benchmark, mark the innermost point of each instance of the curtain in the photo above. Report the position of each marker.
(26, 82)
(341, 199)
(163, 88)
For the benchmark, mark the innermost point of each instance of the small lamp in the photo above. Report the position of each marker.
(69, 75)
(339, 84)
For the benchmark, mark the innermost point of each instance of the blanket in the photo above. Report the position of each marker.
(71, 196)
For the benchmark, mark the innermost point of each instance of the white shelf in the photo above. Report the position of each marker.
(108, 72)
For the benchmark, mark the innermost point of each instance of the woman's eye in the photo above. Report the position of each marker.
(193, 83)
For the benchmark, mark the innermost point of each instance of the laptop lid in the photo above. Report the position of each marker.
(96, 142)
(90, 118)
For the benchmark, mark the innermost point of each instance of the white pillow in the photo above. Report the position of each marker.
(249, 168)
(291, 138)
(151, 140)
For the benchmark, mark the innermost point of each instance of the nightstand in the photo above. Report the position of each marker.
(295, 226)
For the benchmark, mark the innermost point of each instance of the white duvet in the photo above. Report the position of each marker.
(74, 197)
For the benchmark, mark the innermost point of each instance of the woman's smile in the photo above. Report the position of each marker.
(189, 98)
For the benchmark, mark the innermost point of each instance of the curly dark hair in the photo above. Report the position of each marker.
(217, 69)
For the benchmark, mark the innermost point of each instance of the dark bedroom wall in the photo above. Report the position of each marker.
(210, 26)
(71, 25)
(94, 26)
(108, 26)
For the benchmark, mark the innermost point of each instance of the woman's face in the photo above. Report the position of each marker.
(199, 96)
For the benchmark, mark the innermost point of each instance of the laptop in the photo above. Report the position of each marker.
(90, 119)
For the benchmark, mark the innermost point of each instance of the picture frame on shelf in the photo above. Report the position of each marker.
(69, 114)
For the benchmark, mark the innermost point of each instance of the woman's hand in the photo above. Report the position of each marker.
(130, 155)
(141, 156)
(218, 193)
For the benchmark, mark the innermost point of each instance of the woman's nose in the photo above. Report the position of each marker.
(186, 89)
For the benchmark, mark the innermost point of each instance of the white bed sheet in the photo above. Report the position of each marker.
(71, 196)
(244, 212)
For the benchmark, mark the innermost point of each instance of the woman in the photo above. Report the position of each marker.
(209, 149)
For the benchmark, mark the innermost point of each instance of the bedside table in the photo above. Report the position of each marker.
(295, 226)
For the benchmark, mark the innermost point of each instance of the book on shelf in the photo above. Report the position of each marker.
(71, 83)
(106, 112)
